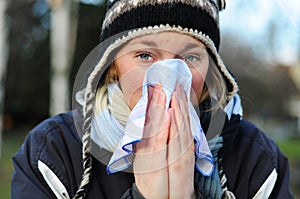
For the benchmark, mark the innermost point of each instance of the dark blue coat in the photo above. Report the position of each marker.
(248, 158)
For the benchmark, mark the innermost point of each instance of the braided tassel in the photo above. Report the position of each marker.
(87, 159)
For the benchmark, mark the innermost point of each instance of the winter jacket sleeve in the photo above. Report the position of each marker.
(281, 188)
(253, 164)
(27, 181)
(47, 154)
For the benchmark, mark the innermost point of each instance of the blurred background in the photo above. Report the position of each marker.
(44, 42)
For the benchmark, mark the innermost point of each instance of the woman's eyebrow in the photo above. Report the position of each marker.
(145, 42)
(140, 44)
(190, 46)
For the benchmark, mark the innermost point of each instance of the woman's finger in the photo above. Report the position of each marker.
(173, 125)
(150, 162)
(155, 113)
(181, 162)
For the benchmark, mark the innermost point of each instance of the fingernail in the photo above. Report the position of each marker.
(177, 86)
(173, 99)
(161, 99)
(156, 88)
(159, 86)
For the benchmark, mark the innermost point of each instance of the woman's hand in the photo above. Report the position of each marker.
(150, 163)
(164, 159)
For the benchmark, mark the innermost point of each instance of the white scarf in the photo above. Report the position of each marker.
(109, 121)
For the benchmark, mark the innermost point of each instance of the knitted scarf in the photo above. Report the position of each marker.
(112, 111)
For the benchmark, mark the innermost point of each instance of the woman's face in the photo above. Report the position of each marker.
(137, 55)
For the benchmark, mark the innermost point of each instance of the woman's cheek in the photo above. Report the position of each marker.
(197, 87)
(135, 97)
(131, 85)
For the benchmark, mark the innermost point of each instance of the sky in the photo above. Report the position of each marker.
(252, 19)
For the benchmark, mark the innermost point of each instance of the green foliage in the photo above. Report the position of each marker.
(292, 151)
(290, 148)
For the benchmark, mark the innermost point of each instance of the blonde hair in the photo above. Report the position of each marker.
(215, 86)
(111, 74)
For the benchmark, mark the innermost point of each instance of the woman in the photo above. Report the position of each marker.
(137, 134)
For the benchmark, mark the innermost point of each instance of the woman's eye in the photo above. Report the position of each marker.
(145, 56)
(190, 58)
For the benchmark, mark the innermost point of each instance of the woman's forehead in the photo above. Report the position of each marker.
(170, 41)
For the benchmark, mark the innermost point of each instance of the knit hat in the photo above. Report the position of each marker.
(129, 19)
